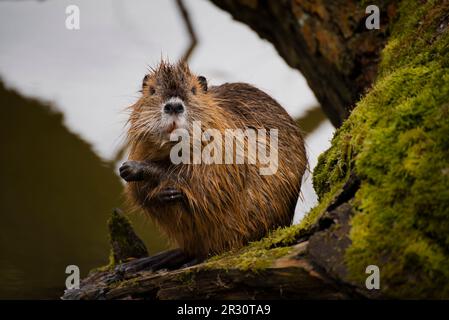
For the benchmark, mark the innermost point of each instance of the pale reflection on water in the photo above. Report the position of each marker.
(58, 186)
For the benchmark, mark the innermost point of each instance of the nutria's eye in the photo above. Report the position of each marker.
(193, 90)
(203, 82)
(151, 90)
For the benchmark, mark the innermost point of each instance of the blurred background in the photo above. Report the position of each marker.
(62, 99)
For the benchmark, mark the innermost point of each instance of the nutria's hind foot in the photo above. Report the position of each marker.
(170, 259)
(191, 263)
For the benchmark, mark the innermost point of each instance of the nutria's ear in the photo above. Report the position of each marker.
(203, 82)
(144, 80)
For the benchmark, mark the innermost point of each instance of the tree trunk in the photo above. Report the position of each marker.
(327, 41)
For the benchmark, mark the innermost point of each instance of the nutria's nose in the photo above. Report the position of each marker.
(173, 108)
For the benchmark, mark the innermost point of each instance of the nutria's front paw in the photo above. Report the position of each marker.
(170, 195)
(132, 171)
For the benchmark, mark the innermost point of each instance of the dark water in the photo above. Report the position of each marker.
(55, 198)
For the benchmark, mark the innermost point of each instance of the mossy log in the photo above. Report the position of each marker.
(264, 270)
(288, 264)
(292, 276)
(383, 186)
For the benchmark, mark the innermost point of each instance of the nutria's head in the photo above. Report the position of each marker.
(172, 98)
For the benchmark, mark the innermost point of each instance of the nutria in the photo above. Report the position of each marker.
(208, 209)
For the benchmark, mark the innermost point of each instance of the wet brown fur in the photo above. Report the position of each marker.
(226, 205)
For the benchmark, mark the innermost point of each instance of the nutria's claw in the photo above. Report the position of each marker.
(132, 171)
(169, 195)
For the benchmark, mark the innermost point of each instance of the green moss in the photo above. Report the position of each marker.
(128, 283)
(334, 165)
(261, 254)
(252, 257)
(187, 277)
(397, 141)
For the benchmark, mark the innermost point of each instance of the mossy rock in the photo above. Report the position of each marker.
(397, 141)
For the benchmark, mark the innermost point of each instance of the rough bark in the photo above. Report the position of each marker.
(290, 277)
(325, 40)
